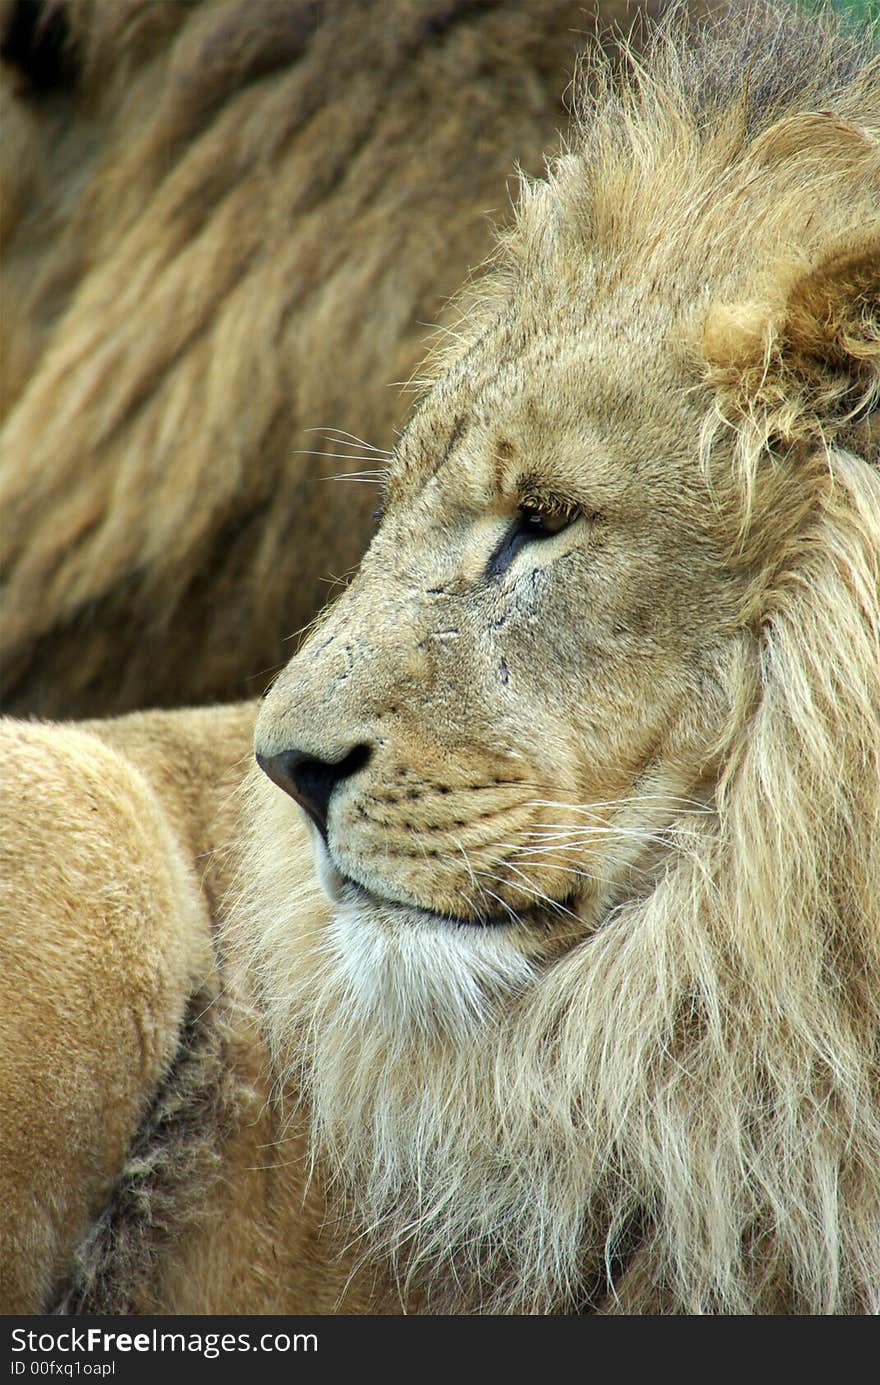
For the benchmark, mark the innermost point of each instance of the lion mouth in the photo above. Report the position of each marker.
(342, 888)
(539, 917)
(354, 892)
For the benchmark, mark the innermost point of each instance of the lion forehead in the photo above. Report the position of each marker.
(609, 426)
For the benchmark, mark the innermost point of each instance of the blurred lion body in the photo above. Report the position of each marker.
(143, 1165)
(582, 1015)
(227, 228)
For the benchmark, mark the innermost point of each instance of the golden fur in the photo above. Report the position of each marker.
(582, 1015)
(128, 1053)
(95, 974)
(218, 252)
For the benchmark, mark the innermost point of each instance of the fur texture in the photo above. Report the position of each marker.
(578, 1009)
(219, 250)
(169, 1170)
(144, 1166)
(103, 937)
(597, 1012)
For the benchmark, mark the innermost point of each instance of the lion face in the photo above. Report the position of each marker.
(589, 746)
(492, 724)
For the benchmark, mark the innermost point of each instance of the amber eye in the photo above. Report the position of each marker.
(544, 523)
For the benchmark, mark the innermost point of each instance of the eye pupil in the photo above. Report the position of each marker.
(543, 523)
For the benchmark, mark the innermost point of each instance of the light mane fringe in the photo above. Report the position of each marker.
(734, 110)
(702, 1073)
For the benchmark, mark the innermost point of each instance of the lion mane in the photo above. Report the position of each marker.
(219, 248)
(669, 1102)
(682, 1111)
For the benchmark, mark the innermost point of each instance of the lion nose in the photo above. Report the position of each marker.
(311, 781)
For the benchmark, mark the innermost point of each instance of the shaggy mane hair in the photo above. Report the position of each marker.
(685, 1109)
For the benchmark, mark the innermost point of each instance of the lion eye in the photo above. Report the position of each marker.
(532, 522)
(542, 524)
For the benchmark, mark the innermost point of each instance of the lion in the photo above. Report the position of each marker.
(219, 249)
(535, 967)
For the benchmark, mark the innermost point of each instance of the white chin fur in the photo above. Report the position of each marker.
(410, 974)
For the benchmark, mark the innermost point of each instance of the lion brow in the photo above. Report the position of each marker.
(459, 428)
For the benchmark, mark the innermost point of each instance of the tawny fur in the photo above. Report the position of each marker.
(695, 1072)
(219, 250)
(104, 936)
(144, 1164)
(579, 1010)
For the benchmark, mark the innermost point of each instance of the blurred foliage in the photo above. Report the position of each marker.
(857, 10)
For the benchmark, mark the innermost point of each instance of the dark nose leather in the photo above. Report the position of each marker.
(310, 781)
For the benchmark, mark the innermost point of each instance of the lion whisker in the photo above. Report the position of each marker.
(343, 438)
(341, 457)
(490, 894)
(554, 845)
(677, 802)
(534, 892)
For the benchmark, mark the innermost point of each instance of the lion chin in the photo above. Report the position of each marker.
(414, 974)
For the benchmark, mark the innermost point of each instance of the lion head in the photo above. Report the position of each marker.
(590, 745)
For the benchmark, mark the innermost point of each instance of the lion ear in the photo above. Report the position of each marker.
(808, 362)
